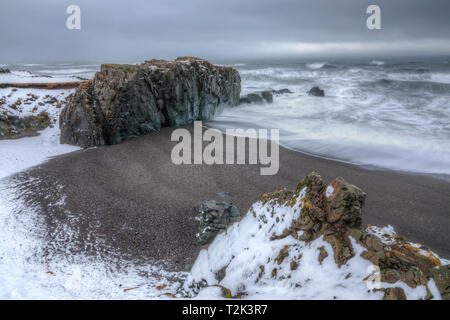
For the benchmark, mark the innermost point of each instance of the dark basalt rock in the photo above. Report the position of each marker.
(267, 95)
(4, 70)
(215, 217)
(335, 211)
(317, 92)
(260, 97)
(282, 91)
(124, 101)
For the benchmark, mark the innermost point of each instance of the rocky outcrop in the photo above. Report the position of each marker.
(251, 98)
(124, 101)
(4, 70)
(215, 217)
(262, 96)
(335, 211)
(282, 91)
(289, 237)
(12, 127)
(317, 92)
(47, 86)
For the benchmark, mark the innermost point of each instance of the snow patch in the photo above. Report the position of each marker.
(329, 191)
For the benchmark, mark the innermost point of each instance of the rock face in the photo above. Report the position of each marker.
(124, 101)
(12, 127)
(317, 92)
(215, 217)
(288, 238)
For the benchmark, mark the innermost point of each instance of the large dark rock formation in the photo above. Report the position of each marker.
(124, 101)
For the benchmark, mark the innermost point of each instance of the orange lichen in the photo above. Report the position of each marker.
(161, 286)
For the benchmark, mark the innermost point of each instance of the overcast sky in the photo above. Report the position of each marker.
(134, 30)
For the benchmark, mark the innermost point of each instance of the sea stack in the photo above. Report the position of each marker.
(123, 101)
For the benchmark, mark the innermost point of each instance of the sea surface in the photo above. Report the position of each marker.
(384, 113)
(392, 114)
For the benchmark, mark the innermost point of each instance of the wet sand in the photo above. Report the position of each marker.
(131, 202)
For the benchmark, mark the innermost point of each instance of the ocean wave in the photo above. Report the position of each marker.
(377, 62)
(320, 65)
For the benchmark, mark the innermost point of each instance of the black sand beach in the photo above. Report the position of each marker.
(131, 202)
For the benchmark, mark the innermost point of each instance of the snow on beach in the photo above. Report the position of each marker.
(19, 154)
(25, 271)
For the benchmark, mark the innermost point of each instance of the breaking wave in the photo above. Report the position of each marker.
(395, 117)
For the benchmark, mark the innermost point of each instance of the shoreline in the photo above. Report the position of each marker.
(143, 207)
(438, 176)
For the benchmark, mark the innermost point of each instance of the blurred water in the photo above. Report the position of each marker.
(389, 114)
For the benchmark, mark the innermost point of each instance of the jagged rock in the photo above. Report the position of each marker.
(317, 92)
(4, 70)
(12, 127)
(124, 101)
(214, 217)
(282, 91)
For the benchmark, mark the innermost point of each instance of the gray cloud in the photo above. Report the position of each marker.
(134, 30)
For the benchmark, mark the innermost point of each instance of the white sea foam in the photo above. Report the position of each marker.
(65, 71)
(393, 117)
(316, 65)
(247, 256)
